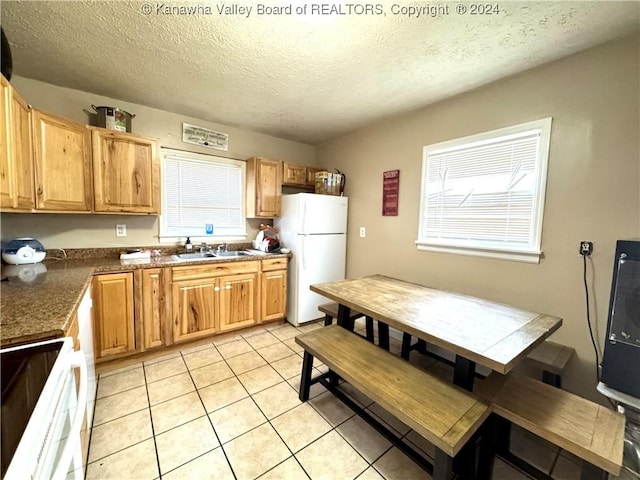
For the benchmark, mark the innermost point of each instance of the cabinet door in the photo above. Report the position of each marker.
(294, 174)
(274, 295)
(6, 170)
(16, 164)
(113, 314)
(311, 176)
(22, 153)
(194, 309)
(63, 163)
(264, 187)
(238, 306)
(151, 308)
(126, 173)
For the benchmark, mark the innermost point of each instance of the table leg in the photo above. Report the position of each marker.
(328, 320)
(344, 320)
(383, 335)
(406, 346)
(369, 323)
(464, 372)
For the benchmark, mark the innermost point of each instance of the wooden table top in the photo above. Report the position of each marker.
(491, 334)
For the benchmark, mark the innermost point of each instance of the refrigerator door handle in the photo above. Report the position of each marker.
(304, 217)
(304, 238)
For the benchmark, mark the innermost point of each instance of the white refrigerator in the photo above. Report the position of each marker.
(314, 227)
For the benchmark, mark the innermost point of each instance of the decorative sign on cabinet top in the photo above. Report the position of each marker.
(204, 138)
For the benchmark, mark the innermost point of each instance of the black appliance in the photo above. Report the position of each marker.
(621, 361)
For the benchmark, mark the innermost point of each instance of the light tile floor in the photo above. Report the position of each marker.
(230, 409)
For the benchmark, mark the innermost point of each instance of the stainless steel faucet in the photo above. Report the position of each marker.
(204, 247)
(221, 246)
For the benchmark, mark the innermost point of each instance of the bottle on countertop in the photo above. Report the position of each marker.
(188, 246)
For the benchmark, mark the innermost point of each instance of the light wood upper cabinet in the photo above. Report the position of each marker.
(62, 152)
(311, 176)
(152, 307)
(264, 192)
(6, 168)
(294, 174)
(299, 175)
(16, 162)
(126, 173)
(113, 314)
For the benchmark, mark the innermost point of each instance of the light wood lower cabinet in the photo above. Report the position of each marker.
(156, 307)
(152, 307)
(194, 307)
(214, 298)
(274, 289)
(237, 306)
(113, 314)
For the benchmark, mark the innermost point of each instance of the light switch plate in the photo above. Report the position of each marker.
(121, 230)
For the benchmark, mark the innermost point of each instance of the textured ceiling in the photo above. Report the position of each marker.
(308, 78)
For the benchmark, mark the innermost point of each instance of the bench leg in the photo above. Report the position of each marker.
(383, 335)
(344, 317)
(406, 346)
(333, 378)
(551, 379)
(328, 320)
(591, 472)
(369, 323)
(305, 377)
(486, 451)
(443, 466)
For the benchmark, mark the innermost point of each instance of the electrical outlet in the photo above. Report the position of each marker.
(586, 248)
(121, 230)
(363, 232)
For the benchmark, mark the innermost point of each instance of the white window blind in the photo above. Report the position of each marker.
(484, 195)
(200, 191)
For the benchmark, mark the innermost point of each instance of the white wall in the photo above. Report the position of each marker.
(593, 190)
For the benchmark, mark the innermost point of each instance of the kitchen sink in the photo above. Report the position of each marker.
(210, 255)
(232, 254)
(194, 256)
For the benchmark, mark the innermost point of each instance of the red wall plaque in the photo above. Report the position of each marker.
(390, 193)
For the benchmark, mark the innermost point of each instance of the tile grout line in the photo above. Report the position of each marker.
(153, 431)
(197, 390)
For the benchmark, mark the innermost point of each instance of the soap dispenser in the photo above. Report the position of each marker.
(188, 246)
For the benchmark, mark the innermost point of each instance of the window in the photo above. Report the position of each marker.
(484, 194)
(202, 196)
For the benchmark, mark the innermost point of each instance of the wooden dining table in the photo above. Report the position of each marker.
(477, 331)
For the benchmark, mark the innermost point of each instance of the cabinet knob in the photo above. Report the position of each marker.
(216, 289)
(228, 287)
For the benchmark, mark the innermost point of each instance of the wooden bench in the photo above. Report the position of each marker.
(551, 358)
(444, 414)
(330, 311)
(589, 431)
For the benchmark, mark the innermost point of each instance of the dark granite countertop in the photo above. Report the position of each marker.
(42, 307)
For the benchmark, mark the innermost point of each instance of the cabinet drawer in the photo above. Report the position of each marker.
(213, 270)
(274, 264)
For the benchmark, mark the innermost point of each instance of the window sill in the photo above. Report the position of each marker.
(524, 256)
(200, 239)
